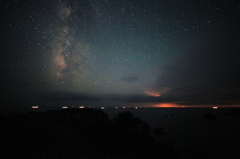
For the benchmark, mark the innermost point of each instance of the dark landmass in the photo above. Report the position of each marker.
(78, 133)
(90, 134)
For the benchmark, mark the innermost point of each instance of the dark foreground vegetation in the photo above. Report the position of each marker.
(79, 133)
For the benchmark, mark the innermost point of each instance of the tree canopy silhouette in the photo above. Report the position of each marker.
(158, 131)
(126, 121)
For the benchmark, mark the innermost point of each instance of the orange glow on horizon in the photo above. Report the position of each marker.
(168, 105)
(173, 105)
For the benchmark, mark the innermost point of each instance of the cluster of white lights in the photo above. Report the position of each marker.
(81, 107)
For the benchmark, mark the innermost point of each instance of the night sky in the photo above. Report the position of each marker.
(120, 53)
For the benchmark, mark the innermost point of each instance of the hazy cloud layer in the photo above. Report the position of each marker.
(69, 96)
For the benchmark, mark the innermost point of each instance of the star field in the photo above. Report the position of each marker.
(160, 51)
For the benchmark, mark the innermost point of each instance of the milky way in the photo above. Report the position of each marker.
(69, 52)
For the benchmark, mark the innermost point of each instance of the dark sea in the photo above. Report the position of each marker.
(187, 128)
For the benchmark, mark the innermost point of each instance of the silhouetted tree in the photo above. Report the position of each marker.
(126, 121)
(158, 131)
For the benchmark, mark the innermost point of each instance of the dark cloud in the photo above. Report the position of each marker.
(186, 96)
(202, 67)
(207, 73)
(130, 79)
(69, 96)
(135, 98)
(203, 96)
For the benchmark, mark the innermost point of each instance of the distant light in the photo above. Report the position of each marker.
(34, 107)
(116, 107)
(82, 107)
(136, 107)
(215, 107)
(124, 107)
(102, 108)
(169, 115)
(64, 107)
